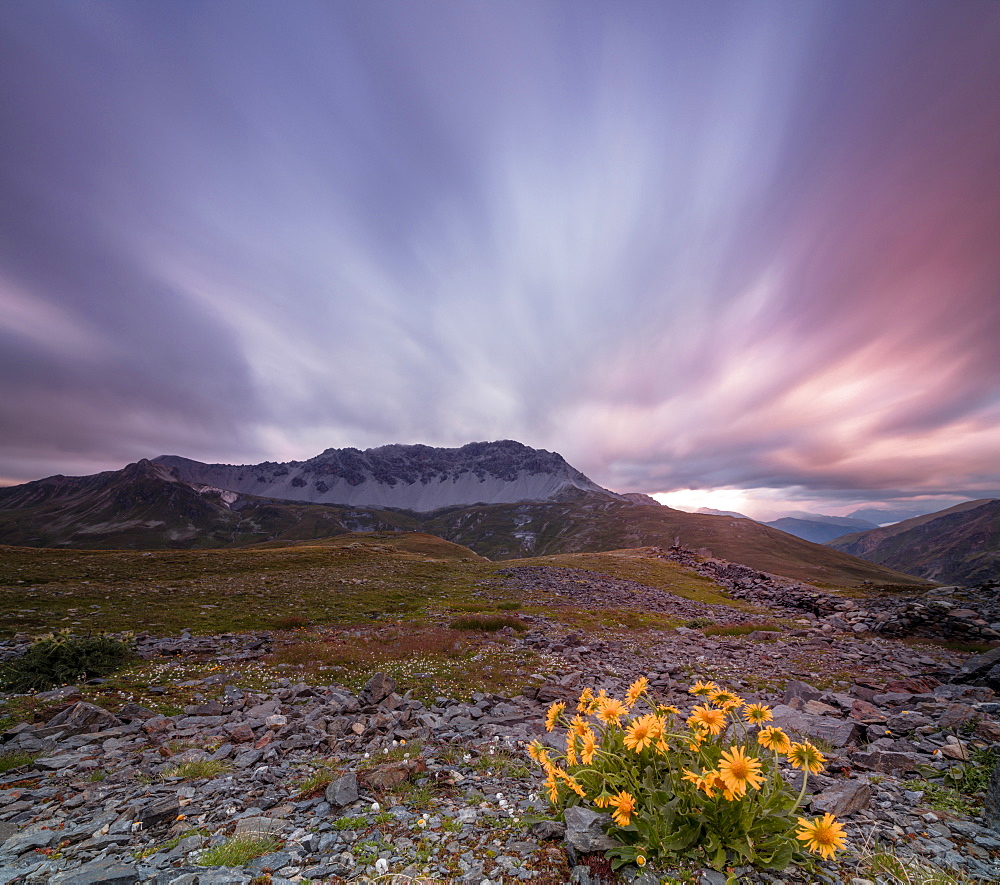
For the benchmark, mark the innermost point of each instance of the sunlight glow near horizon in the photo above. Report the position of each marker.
(715, 499)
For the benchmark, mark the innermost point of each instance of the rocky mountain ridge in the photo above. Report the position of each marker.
(407, 477)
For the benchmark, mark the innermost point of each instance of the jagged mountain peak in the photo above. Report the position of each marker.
(409, 477)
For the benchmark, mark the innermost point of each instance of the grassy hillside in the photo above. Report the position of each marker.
(517, 530)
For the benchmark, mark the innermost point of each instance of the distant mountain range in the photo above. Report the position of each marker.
(503, 500)
(960, 545)
(818, 528)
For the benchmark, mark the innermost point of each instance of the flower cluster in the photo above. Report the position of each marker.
(705, 785)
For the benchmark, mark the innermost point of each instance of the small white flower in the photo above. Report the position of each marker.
(376, 807)
(381, 866)
(421, 822)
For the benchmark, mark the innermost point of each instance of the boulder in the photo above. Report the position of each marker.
(159, 812)
(843, 798)
(343, 791)
(106, 871)
(84, 717)
(585, 830)
(376, 689)
(391, 774)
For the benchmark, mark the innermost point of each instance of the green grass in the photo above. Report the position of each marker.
(942, 798)
(203, 769)
(12, 760)
(888, 868)
(355, 822)
(239, 850)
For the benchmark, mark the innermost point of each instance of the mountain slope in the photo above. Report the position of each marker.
(417, 478)
(958, 545)
(518, 530)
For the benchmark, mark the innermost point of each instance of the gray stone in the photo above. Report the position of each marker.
(376, 689)
(843, 798)
(159, 812)
(107, 871)
(84, 717)
(259, 826)
(887, 761)
(585, 830)
(803, 690)
(28, 840)
(343, 791)
(548, 829)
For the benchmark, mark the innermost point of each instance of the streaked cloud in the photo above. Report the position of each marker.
(731, 246)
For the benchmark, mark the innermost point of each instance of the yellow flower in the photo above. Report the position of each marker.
(662, 747)
(624, 804)
(553, 715)
(807, 757)
(708, 719)
(602, 801)
(589, 747)
(586, 704)
(635, 690)
(570, 748)
(727, 700)
(774, 738)
(757, 714)
(703, 689)
(704, 781)
(698, 736)
(639, 735)
(823, 836)
(610, 710)
(737, 771)
(578, 726)
(640, 861)
(571, 782)
(669, 708)
(553, 784)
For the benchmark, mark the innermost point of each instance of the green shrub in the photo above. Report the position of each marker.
(60, 659)
(698, 623)
(488, 623)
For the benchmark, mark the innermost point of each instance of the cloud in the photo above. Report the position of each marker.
(684, 246)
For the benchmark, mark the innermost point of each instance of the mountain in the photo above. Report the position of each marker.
(960, 545)
(171, 504)
(145, 507)
(417, 478)
(818, 528)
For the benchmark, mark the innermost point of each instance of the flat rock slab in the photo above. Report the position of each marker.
(107, 871)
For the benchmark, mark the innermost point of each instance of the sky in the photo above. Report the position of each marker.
(742, 255)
